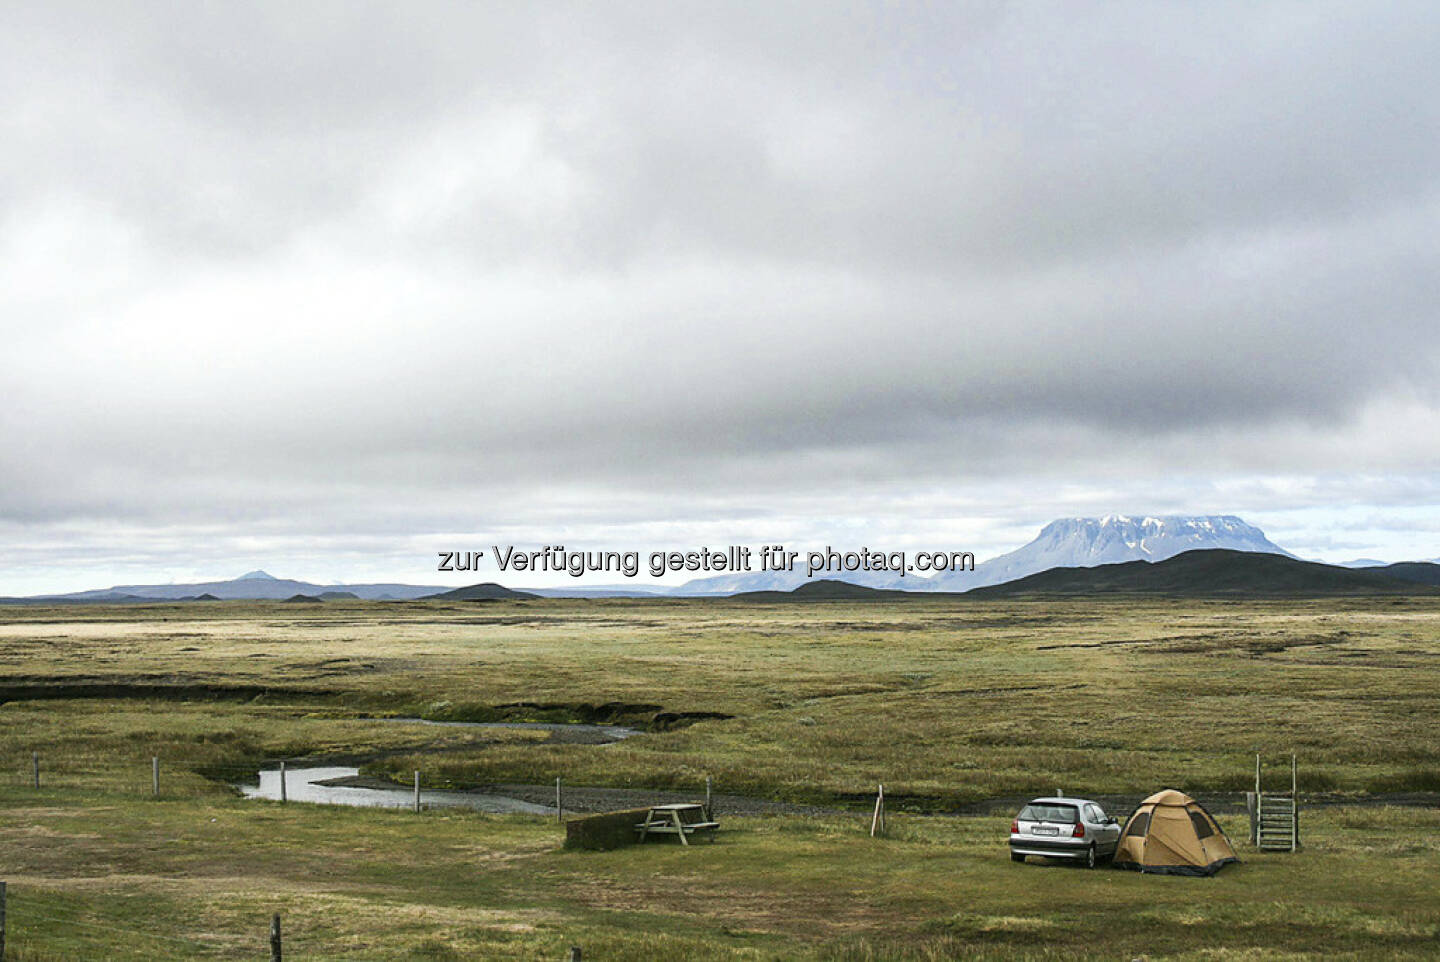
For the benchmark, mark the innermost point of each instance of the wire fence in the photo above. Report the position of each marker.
(300, 779)
(39, 924)
(161, 778)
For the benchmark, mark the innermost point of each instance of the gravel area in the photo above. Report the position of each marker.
(586, 800)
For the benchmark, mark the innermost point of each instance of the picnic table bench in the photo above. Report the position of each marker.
(680, 819)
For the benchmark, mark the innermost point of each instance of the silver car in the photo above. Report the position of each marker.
(1060, 827)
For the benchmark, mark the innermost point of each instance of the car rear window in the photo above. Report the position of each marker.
(1048, 813)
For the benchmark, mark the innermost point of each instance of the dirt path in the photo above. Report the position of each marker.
(615, 799)
(587, 800)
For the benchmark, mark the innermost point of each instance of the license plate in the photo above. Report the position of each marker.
(1045, 830)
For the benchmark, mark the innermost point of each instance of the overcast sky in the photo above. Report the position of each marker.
(326, 288)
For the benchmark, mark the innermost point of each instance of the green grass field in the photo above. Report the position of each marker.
(947, 702)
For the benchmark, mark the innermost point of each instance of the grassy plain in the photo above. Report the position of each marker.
(947, 702)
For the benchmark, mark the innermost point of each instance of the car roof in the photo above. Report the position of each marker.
(1061, 800)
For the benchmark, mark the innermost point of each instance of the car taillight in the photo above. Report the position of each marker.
(1079, 831)
(1014, 826)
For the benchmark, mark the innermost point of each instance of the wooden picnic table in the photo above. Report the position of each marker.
(678, 819)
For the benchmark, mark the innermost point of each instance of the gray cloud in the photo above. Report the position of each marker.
(268, 268)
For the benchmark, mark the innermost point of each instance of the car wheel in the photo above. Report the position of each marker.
(1016, 857)
(1090, 857)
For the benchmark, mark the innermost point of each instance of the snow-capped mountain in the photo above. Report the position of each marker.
(1068, 542)
(1086, 542)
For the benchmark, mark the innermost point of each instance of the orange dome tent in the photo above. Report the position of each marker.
(1171, 834)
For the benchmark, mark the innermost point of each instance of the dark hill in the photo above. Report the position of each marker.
(1421, 572)
(304, 600)
(338, 596)
(826, 590)
(488, 591)
(1214, 571)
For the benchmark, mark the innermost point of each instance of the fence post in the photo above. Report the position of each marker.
(417, 791)
(877, 821)
(2, 922)
(275, 948)
(1294, 802)
(282, 788)
(35, 759)
(155, 775)
(559, 812)
(709, 810)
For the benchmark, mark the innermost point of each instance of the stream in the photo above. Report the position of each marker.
(315, 783)
(308, 785)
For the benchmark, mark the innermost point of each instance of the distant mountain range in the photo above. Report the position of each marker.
(260, 586)
(1065, 544)
(1210, 573)
(1202, 573)
(1068, 542)
(251, 586)
(1423, 572)
(1087, 542)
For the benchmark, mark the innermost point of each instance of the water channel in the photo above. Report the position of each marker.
(313, 783)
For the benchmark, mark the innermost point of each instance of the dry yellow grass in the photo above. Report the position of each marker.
(945, 701)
